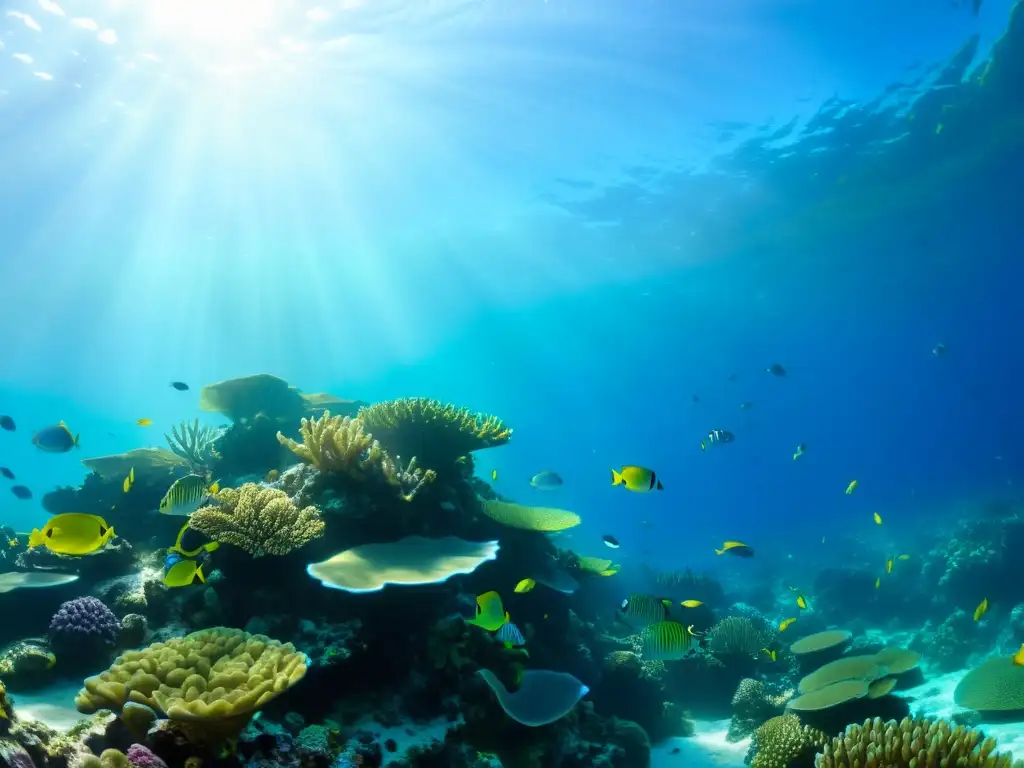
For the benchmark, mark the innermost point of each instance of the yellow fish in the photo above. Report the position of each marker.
(525, 585)
(801, 603)
(878, 582)
(737, 548)
(129, 481)
(888, 565)
(490, 613)
(851, 487)
(184, 573)
(13, 542)
(73, 533)
(494, 474)
(1018, 657)
(903, 557)
(611, 570)
(211, 546)
(771, 654)
(272, 475)
(144, 422)
(981, 610)
(785, 623)
(878, 518)
(637, 479)
(691, 603)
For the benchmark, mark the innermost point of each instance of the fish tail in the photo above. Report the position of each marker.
(702, 446)
(110, 533)
(660, 486)
(35, 538)
(616, 478)
(719, 551)
(200, 576)
(76, 440)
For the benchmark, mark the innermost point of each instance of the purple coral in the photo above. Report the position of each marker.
(83, 628)
(141, 756)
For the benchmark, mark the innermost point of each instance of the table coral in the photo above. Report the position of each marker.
(261, 521)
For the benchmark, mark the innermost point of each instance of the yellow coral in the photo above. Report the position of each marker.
(213, 680)
(917, 742)
(436, 432)
(783, 739)
(262, 521)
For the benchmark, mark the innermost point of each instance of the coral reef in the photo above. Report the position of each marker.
(782, 741)
(83, 630)
(195, 443)
(260, 521)
(995, 686)
(753, 704)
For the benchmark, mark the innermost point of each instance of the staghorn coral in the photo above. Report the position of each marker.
(739, 636)
(341, 444)
(436, 432)
(194, 443)
(912, 742)
(995, 686)
(753, 704)
(209, 682)
(262, 521)
(783, 741)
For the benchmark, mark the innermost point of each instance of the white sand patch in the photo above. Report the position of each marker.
(707, 747)
(53, 706)
(406, 735)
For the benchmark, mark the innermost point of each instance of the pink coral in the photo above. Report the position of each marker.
(141, 756)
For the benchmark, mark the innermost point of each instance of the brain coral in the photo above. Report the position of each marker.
(215, 676)
(262, 521)
(995, 686)
(920, 742)
(782, 740)
(83, 627)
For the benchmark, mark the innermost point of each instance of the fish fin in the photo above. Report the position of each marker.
(660, 486)
(702, 446)
(616, 478)
(200, 576)
(719, 551)
(76, 441)
(35, 538)
(215, 488)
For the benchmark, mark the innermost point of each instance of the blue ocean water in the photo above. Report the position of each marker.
(574, 215)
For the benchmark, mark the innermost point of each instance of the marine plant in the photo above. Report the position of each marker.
(195, 443)
(783, 741)
(739, 636)
(438, 433)
(209, 683)
(261, 521)
(912, 742)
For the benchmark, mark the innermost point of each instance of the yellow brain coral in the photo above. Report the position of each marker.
(995, 686)
(262, 521)
(783, 739)
(216, 678)
(530, 518)
(912, 743)
(436, 432)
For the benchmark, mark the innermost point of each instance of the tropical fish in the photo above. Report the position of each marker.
(490, 613)
(939, 350)
(771, 654)
(129, 481)
(903, 557)
(691, 603)
(800, 451)
(642, 610)
(611, 570)
(1018, 657)
(6, 473)
(737, 548)
(144, 422)
(888, 565)
(546, 480)
(12, 543)
(637, 479)
(186, 495)
(6, 422)
(716, 437)
(73, 533)
(178, 546)
(610, 541)
(171, 559)
(21, 492)
(801, 603)
(184, 573)
(981, 610)
(776, 370)
(525, 586)
(510, 635)
(273, 475)
(878, 582)
(56, 439)
(494, 474)
(851, 487)
(746, 406)
(876, 517)
(33, 580)
(785, 624)
(666, 641)
(181, 386)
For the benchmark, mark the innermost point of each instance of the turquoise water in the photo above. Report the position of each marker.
(573, 215)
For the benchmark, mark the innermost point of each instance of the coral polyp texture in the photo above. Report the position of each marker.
(912, 743)
(995, 686)
(217, 674)
(83, 627)
(261, 521)
(437, 433)
(783, 739)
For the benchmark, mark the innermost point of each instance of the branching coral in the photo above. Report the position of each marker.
(753, 704)
(262, 521)
(436, 432)
(782, 740)
(912, 743)
(194, 443)
(340, 444)
(739, 636)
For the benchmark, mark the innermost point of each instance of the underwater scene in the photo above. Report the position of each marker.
(477, 383)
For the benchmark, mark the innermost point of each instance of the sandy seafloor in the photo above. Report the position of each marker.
(708, 747)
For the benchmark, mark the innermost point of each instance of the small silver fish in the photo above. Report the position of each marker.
(546, 480)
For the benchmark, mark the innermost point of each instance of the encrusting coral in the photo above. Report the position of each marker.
(436, 432)
(261, 521)
(341, 444)
(211, 681)
(782, 740)
(912, 742)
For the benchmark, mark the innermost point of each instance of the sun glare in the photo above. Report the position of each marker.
(231, 27)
